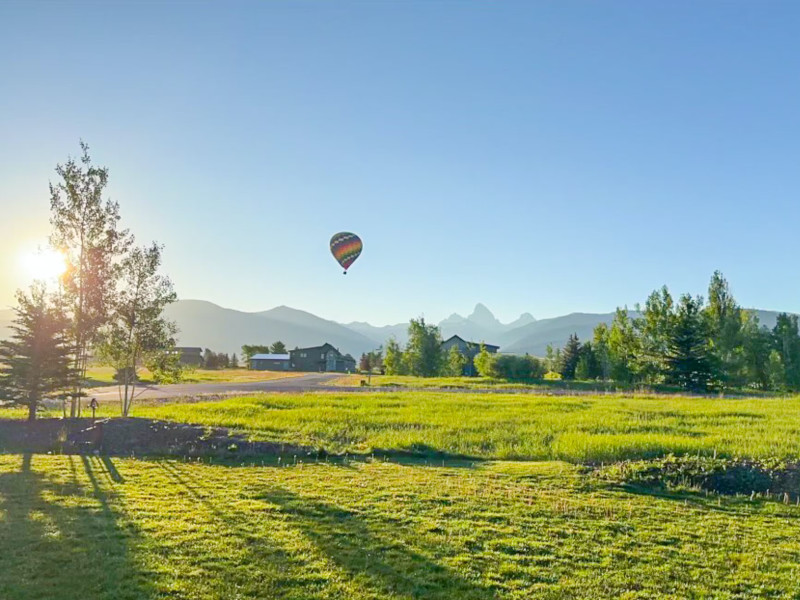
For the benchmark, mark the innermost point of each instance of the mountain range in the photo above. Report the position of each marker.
(221, 329)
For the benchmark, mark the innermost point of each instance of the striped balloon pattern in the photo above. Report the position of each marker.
(346, 248)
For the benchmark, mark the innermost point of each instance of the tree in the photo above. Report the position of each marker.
(588, 367)
(787, 343)
(623, 347)
(137, 331)
(689, 359)
(570, 355)
(394, 360)
(424, 350)
(552, 358)
(234, 361)
(278, 348)
(249, 350)
(456, 362)
(515, 368)
(363, 363)
(36, 362)
(654, 329)
(601, 350)
(483, 362)
(725, 328)
(86, 229)
(756, 345)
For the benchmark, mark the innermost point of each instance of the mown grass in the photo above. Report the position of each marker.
(508, 426)
(87, 527)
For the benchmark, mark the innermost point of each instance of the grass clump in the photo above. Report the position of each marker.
(710, 473)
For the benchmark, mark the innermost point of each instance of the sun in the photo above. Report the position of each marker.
(44, 264)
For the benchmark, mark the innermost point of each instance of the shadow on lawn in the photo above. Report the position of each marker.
(63, 540)
(382, 561)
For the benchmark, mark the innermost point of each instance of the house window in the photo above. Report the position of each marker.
(322, 355)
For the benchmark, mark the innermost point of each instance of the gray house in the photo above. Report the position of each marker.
(468, 349)
(321, 358)
(190, 355)
(270, 362)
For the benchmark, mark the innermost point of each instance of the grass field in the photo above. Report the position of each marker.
(508, 426)
(539, 385)
(433, 527)
(105, 375)
(85, 527)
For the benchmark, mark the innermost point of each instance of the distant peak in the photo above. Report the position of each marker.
(480, 310)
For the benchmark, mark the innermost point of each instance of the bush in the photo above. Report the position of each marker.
(511, 367)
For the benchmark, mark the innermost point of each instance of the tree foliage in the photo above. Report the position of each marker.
(36, 362)
(86, 230)
(137, 332)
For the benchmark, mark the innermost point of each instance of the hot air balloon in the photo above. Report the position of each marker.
(346, 248)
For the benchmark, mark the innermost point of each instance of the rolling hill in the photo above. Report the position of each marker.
(207, 325)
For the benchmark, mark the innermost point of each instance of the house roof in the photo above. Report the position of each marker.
(312, 348)
(269, 357)
(188, 349)
(458, 337)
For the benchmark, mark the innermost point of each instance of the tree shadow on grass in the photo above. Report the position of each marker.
(63, 540)
(384, 562)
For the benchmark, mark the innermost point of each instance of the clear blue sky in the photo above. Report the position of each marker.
(544, 157)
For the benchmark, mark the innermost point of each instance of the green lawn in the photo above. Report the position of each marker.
(508, 426)
(436, 527)
(77, 527)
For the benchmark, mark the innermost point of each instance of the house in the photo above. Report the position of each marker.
(321, 358)
(270, 362)
(468, 349)
(189, 355)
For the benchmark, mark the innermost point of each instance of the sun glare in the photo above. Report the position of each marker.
(43, 264)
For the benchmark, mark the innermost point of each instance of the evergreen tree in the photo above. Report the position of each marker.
(601, 351)
(689, 360)
(234, 361)
(787, 342)
(588, 367)
(570, 355)
(278, 348)
(756, 346)
(36, 362)
(725, 328)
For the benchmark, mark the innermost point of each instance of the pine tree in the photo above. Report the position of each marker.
(234, 361)
(278, 348)
(570, 356)
(36, 361)
(689, 360)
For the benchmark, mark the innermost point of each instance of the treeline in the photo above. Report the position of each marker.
(218, 360)
(424, 356)
(250, 350)
(691, 343)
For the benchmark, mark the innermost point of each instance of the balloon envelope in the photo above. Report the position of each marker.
(346, 248)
